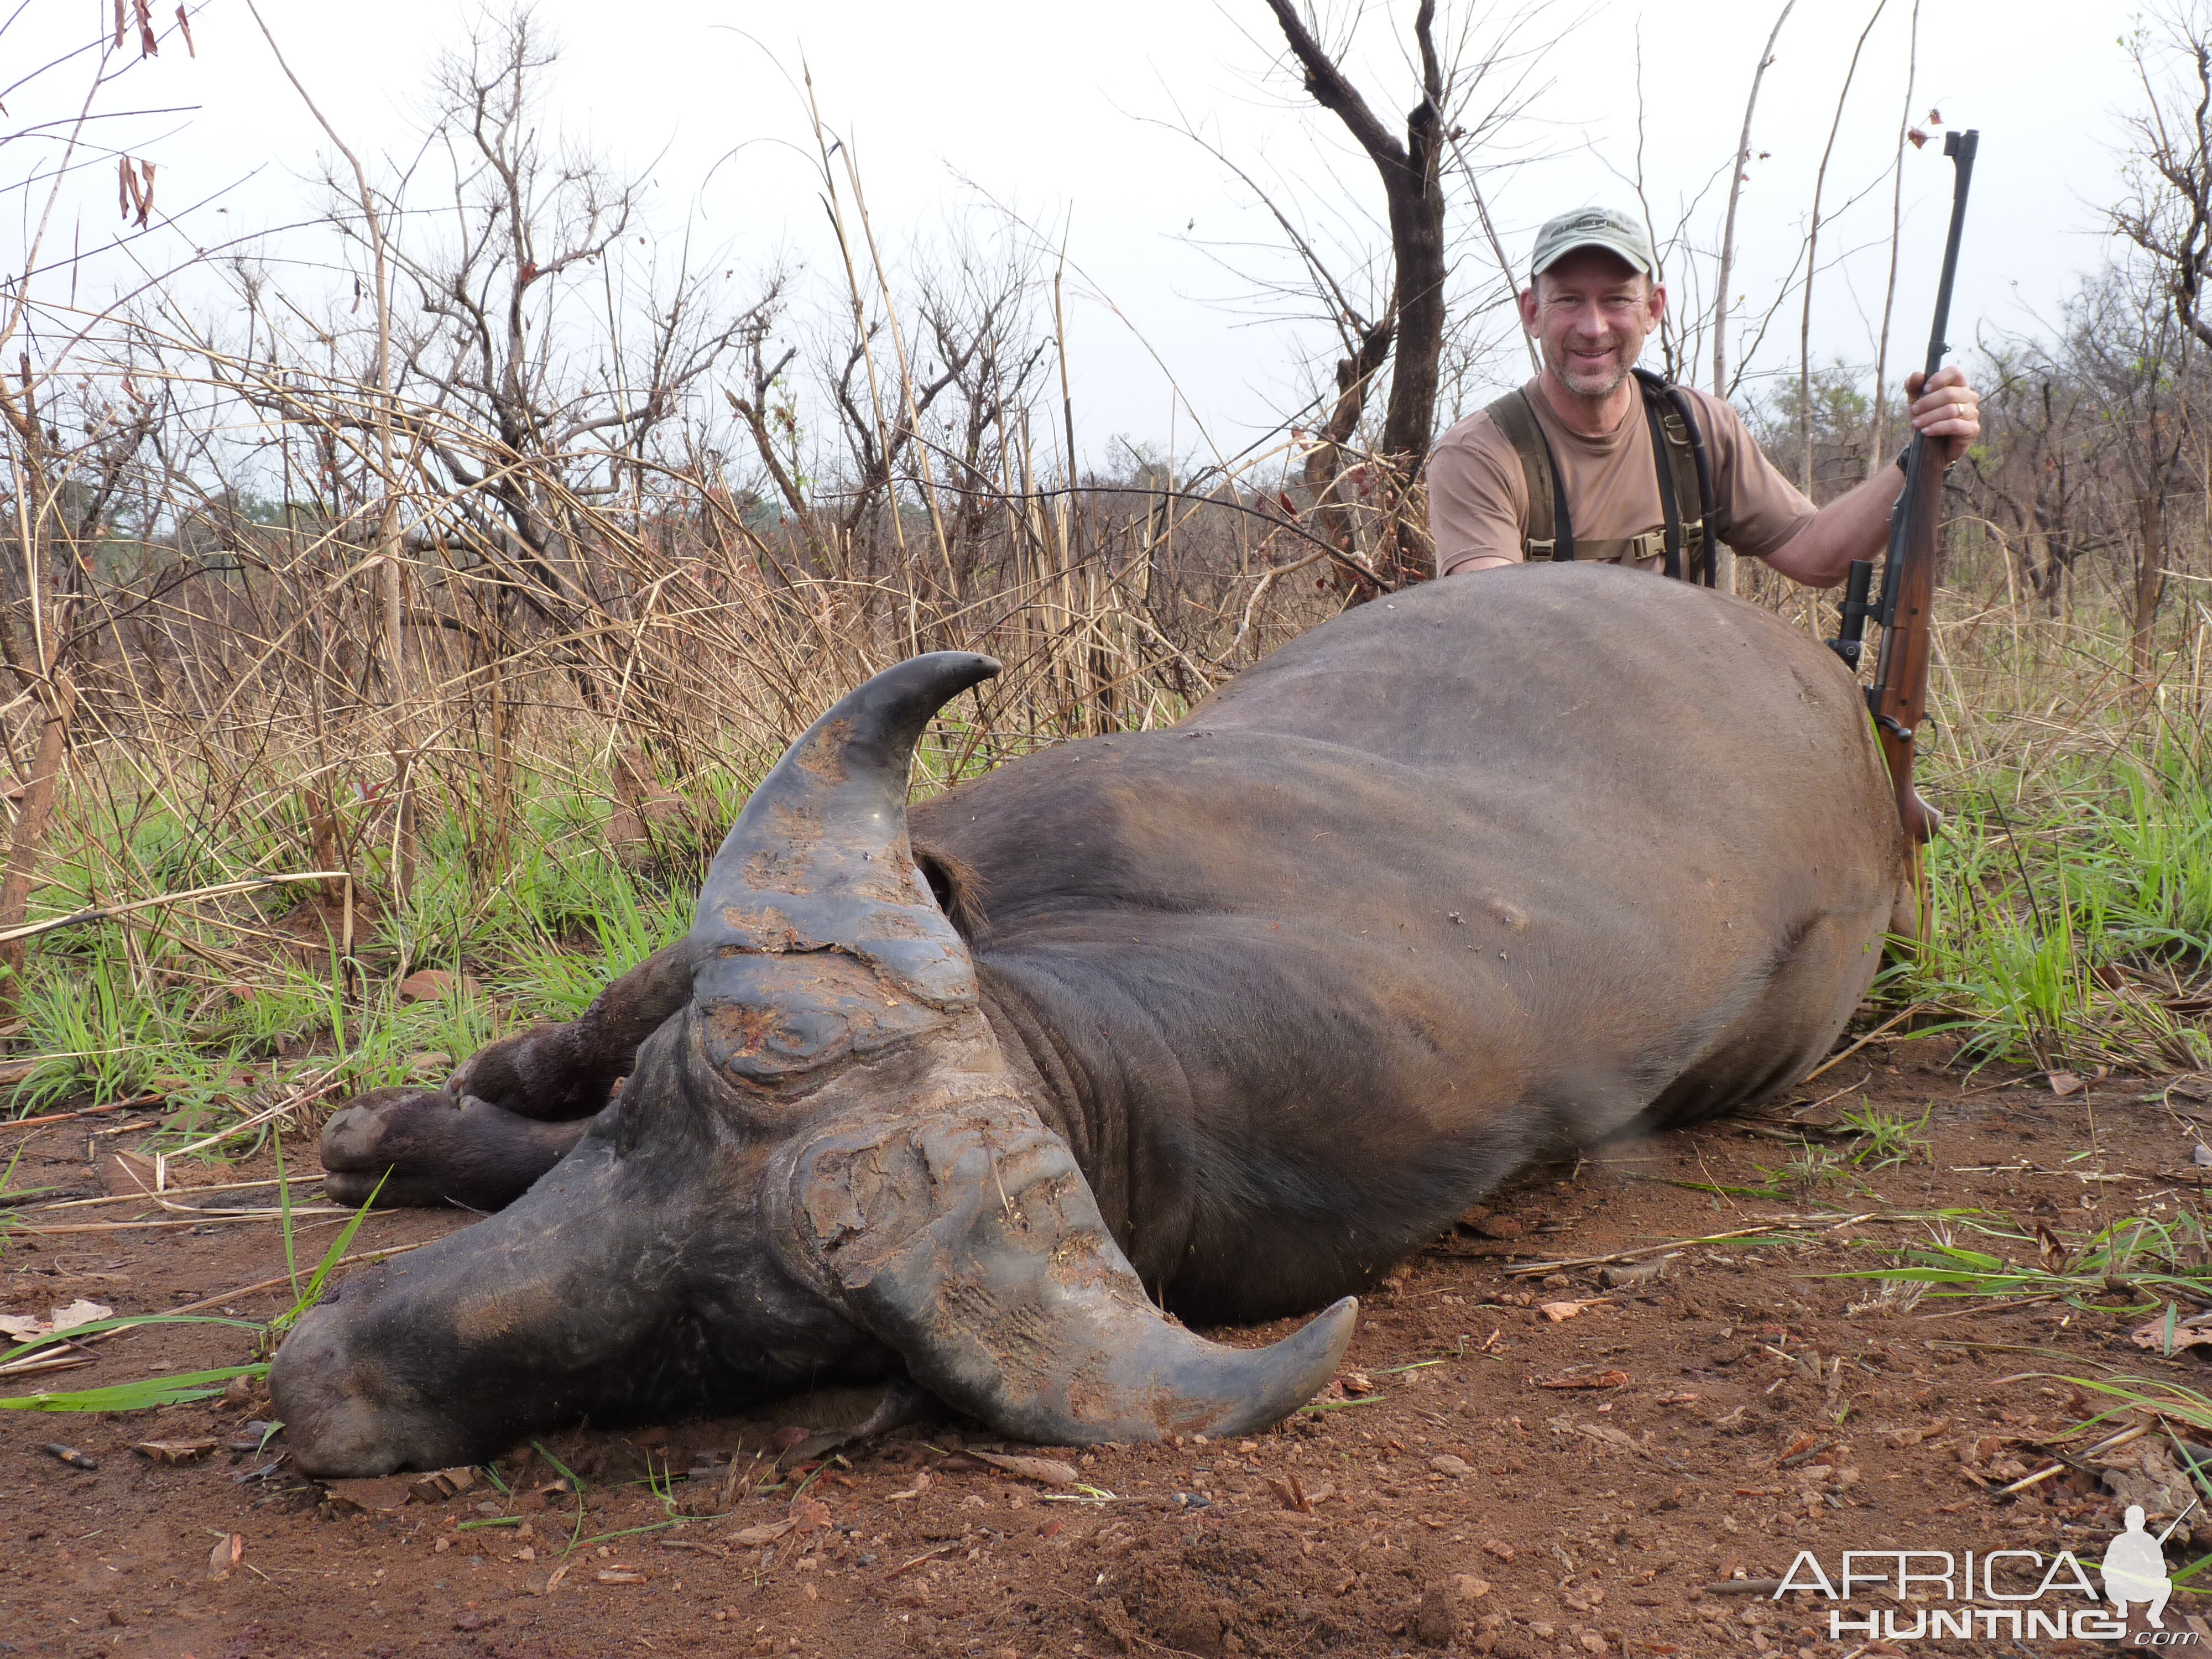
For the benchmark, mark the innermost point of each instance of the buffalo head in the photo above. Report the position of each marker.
(821, 1169)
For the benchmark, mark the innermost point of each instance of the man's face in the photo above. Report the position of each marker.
(1590, 311)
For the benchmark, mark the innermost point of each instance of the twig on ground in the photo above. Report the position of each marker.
(1533, 1269)
(1836, 1059)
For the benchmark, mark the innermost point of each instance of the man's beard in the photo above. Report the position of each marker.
(1582, 385)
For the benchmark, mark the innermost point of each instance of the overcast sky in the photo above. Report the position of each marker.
(1065, 113)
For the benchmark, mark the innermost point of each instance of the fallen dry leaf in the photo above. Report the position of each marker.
(1635, 1273)
(1904, 1439)
(428, 984)
(2153, 1336)
(1559, 1312)
(173, 1451)
(439, 1484)
(431, 1065)
(223, 1559)
(753, 1537)
(2064, 1083)
(1356, 1383)
(24, 1327)
(921, 1485)
(380, 1493)
(1048, 1471)
(81, 1312)
(810, 1515)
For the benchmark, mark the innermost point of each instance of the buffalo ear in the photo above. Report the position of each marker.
(969, 1243)
(957, 886)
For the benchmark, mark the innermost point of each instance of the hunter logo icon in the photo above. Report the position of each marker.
(2135, 1568)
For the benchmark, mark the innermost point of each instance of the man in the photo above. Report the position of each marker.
(2135, 1570)
(1585, 460)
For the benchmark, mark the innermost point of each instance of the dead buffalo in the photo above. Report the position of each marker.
(1221, 1019)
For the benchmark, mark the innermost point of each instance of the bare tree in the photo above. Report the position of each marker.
(1904, 135)
(1413, 192)
(2168, 214)
(60, 491)
(2168, 211)
(494, 275)
(1737, 178)
(1812, 259)
(2039, 479)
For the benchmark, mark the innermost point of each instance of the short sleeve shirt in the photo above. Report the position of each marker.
(1479, 497)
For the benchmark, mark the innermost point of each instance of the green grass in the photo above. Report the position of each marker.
(145, 1393)
(2136, 1265)
(2073, 906)
(115, 1011)
(1884, 1140)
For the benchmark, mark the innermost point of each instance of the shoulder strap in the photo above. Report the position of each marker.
(1549, 534)
(1670, 498)
(1678, 450)
(1713, 529)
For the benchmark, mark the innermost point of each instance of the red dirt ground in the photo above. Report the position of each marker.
(1472, 1504)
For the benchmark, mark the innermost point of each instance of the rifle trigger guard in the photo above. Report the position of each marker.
(1891, 726)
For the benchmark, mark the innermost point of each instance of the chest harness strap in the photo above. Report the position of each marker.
(1678, 449)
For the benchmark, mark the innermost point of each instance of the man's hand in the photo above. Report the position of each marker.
(1949, 411)
(1855, 526)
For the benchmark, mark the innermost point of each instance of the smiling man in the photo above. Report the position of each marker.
(1591, 461)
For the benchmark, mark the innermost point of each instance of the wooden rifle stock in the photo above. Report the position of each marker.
(1898, 697)
(1914, 565)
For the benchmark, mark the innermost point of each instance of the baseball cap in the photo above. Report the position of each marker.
(1593, 226)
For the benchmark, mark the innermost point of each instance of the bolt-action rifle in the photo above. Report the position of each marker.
(1898, 697)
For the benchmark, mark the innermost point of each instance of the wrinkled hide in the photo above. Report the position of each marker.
(1236, 1014)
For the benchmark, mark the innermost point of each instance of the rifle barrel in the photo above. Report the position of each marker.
(1912, 567)
(1959, 147)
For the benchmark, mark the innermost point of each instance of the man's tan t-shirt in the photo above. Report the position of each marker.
(1479, 496)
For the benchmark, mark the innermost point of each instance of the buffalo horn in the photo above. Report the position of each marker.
(815, 939)
(969, 1243)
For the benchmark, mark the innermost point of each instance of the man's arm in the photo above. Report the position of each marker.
(1856, 525)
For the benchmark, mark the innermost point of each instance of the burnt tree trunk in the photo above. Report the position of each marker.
(1324, 467)
(1413, 192)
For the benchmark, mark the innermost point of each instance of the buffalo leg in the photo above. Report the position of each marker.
(429, 1147)
(556, 1072)
(511, 1113)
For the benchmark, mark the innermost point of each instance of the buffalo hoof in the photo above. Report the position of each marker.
(431, 1148)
